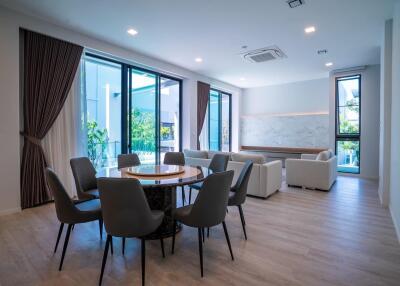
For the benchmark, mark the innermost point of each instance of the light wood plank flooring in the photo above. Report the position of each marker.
(296, 237)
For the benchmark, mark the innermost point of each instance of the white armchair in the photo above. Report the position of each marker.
(311, 173)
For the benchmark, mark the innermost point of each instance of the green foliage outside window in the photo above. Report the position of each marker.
(143, 130)
(97, 140)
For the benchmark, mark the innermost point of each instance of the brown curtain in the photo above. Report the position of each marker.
(49, 69)
(203, 93)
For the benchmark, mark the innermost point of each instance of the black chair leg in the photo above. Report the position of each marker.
(58, 236)
(200, 250)
(162, 247)
(65, 245)
(202, 233)
(190, 196)
(227, 239)
(243, 221)
(112, 245)
(208, 232)
(123, 245)
(143, 260)
(173, 238)
(103, 264)
(183, 196)
(101, 228)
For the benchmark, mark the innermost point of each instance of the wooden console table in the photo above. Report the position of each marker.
(290, 150)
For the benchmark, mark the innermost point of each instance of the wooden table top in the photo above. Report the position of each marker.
(188, 175)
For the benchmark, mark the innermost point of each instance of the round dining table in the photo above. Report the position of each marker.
(159, 183)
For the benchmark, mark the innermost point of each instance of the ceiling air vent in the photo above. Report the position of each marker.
(264, 55)
(295, 3)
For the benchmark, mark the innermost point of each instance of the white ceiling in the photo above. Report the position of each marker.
(177, 31)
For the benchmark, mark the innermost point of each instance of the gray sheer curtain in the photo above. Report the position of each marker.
(203, 93)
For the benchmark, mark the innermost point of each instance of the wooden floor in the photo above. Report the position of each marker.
(296, 237)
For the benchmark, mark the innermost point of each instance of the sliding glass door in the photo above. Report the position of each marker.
(219, 121)
(170, 91)
(102, 88)
(143, 116)
(129, 109)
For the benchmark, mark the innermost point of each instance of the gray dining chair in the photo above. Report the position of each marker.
(126, 214)
(209, 209)
(176, 158)
(237, 195)
(71, 212)
(85, 178)
(128, 160)
(218, 163)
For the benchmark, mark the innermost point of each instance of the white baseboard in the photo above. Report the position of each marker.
(396, 224)
(10, 211)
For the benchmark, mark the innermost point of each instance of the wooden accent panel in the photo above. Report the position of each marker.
(292, 150)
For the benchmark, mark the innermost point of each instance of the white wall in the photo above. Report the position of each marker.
(385, 113)
(297, 97)
(394, 204)
(10, 22)
(286, 115)
(370, 93)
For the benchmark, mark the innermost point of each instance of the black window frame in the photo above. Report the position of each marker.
(356, 137)
(126, 100)
(220, 93)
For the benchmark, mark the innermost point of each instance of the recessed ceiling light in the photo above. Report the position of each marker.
(309, 30)
(329, 64)
(242, 79)
(132, 32)
(198, 60)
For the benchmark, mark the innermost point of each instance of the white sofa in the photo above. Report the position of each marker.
(265, 178)
(312, 171)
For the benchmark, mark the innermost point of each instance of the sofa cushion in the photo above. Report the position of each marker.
(256, 159)
(196, 154)
(323, 156)
(212, 153)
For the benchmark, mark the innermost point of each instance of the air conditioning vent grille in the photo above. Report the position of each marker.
(264, 55)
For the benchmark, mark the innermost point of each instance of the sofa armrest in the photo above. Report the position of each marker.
(271, 177)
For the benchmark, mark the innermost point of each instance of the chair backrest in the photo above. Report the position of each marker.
(174, 158)
(240, 187)
(65, 207)
(218, 163)
(126, 212)
(128, 160)
(209, 208)
(84, 175)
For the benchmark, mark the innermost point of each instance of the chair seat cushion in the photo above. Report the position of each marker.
(232, 199)
(197, 186)
(88, 211)
(93, 192)
(182, 213)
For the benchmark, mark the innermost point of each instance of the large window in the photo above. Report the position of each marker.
(102, 83)
(219, 121)
(129, 109)
(348, 118)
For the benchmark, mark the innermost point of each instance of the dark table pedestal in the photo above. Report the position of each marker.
(164, 199)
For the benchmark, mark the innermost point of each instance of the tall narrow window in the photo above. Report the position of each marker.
(102, 82)
(348, 118)
(219, 121)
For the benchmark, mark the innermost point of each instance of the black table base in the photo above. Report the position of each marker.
(164, 199)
